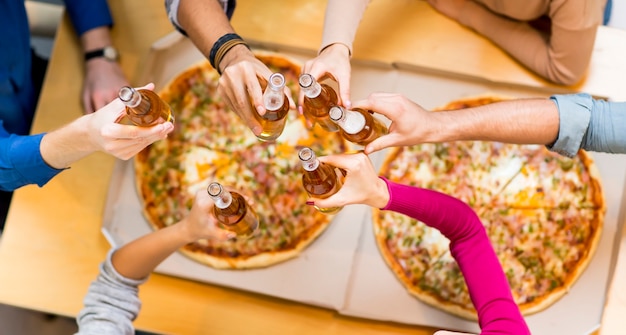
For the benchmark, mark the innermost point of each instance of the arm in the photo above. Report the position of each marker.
(562, 56)
(205, 22)
(111, 303)
(103, 78)
(521, 121)
(37, 158)
(470, 247)
(341, 21)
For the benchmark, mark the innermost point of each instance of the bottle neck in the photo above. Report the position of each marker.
(308, 159)
(220, 196)
(311, 165)
(273, 97)
(309, 86)
(134, 100)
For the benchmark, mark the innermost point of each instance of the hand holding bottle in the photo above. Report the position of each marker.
(201, 223)
(121, 141)
(410, 123)
(240, 88)
(334, 59)
(361, 185)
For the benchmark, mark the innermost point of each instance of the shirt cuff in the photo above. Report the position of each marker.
(26, 158)
(171, 7)
(574, 118)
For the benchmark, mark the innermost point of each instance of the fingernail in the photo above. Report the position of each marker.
(310, 203)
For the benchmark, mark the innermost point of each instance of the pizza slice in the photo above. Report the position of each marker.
(542, 251)
(549, 180)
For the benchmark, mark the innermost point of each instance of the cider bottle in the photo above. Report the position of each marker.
(358, 125)
(233, 212)
(319, 180)
(145, 108)
(318, 99)
(276, 104)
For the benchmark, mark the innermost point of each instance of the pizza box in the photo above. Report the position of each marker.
(343, 269)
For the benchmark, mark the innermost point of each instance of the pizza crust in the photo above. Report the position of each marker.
(312, 224)
(528, 308)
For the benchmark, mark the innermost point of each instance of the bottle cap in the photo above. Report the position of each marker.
(336, 113)
(306, 80)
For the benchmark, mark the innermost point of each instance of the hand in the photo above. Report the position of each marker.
(449, 8)
(122, 141)
(335, 60)
(410, 123)
(201, 223)
(239, 85)
(103, 80)
(361, 185)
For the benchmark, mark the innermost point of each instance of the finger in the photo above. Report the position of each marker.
(148, 86)
(344, 92)
(87, 106)
(385, 141)
(335, 200)
(121, 131)
(381, 103)
(342, 161)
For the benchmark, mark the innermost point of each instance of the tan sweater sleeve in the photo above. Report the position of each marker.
(562, 58)
(341, 21)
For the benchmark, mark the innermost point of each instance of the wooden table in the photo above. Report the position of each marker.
(52, 244)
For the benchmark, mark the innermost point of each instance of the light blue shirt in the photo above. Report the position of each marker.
(590, 124)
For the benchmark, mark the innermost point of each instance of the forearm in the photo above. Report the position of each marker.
(341, 21)
(96, 38)
(204, 21)
(520, 121)
(471, 248)
(561, 57)
(64, 146)
(137, 259)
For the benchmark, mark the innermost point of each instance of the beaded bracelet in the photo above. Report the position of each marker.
(222, 46)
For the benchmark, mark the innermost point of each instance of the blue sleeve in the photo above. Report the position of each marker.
(88, 14)
(21, 162)
(590, 124)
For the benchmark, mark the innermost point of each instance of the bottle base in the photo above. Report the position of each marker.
(331, 210)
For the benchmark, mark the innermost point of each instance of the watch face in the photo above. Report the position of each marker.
(110, 53)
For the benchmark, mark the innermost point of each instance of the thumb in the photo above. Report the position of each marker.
(340, 160)
(382, 142)
(114, 111)
(344, 92)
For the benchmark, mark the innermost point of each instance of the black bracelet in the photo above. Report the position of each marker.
(218, 51)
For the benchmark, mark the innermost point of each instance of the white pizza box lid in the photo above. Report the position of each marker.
(343, 269)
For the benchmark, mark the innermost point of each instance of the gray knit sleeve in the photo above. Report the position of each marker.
(111, 304)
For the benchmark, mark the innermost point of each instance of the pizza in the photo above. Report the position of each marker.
(210, 143)
(542, 212)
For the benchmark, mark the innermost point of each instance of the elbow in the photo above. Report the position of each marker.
(567, 77)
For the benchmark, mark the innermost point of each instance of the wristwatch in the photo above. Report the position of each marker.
(109, 53)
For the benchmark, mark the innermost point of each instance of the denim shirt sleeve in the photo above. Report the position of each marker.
(21, 162)
(586, 123)
(171, 7)
(88, 14)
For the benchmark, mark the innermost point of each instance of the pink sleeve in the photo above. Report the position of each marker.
(470, 246)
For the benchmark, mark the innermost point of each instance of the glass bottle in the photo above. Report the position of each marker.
(319, 180)
(357, 125)
(276, 104)
(233, 212)
(145, 108)
(318, 99)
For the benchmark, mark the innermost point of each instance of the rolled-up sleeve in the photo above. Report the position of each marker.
(21, 162)
(111, 304)
(171, 7)
(590, 124)
(88, 14)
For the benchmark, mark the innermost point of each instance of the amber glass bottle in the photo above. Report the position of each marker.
(276, 104)
(318, 99)
(145, 108)
(358, 125)
(233, 212)
(319, 180)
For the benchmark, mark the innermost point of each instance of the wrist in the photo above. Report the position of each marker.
(234, 56)
(381, 194)
(182, 233)
(336, 47)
